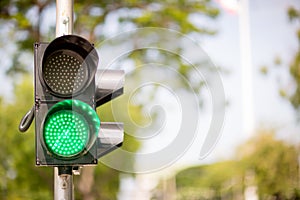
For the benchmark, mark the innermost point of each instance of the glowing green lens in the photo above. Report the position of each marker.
(70, 128)
(66, 133)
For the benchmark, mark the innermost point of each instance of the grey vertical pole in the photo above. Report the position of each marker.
(63, 184)
(64, 17)
(63, 179)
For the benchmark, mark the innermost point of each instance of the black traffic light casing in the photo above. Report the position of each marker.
(63, 69)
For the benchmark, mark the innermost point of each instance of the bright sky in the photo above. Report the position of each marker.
(271, 35)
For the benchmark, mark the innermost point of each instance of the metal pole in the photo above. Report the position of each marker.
(63, 184)
(63, 179)
(64, 17)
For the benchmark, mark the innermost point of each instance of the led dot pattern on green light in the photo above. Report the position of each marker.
(66, 133)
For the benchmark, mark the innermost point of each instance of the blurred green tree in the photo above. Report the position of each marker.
(294, 16)
(20, 179)
(27, 21)
(215, 181)
(269, 164)
(274, 164)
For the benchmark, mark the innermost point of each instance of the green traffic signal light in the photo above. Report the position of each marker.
(70, 128)
(66, 133)
(67, 91)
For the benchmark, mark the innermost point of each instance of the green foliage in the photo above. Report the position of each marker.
(264, 161)
(274, 163)
(105, 184)
(27, 17)
(294, 16)
(292, 94)
(293, 13)
(20, 179)
(295, 72)
(208, 181)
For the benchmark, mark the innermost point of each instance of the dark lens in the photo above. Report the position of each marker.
(65, 72)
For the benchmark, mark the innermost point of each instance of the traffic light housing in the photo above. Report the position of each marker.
(67, 128)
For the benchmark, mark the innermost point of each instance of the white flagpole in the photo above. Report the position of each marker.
(246, 65)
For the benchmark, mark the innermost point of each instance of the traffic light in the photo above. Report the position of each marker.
(67, 127)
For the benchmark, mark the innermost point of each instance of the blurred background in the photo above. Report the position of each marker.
(254, 46)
